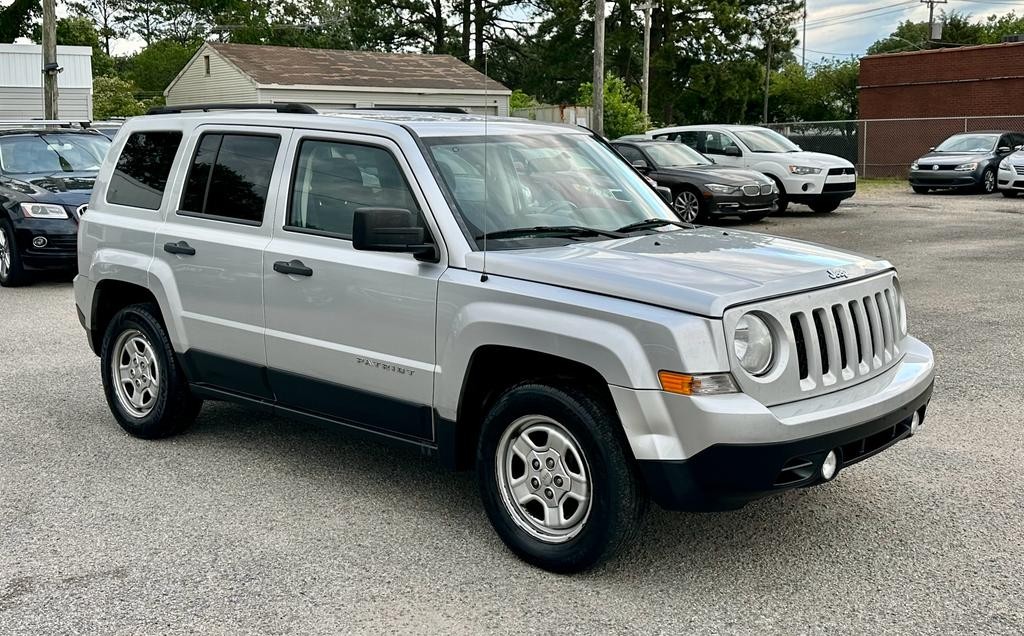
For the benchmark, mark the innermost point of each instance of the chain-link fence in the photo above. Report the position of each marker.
(886, 147)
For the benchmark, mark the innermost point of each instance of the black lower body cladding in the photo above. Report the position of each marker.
(728, 476)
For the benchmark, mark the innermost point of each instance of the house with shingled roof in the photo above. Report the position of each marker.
(328, 79)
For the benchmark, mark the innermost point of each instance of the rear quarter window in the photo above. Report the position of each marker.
(140, 176)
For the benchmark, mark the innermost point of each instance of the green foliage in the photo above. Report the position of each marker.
(519, 100)
(960, 29)
(826, 91)
(16, 19)
(622, 114)
(115, 97)
(153, 68)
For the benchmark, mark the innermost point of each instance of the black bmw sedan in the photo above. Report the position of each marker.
(701, 189)
(964, 161)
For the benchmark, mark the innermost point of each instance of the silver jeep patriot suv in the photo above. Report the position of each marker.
(506, 295)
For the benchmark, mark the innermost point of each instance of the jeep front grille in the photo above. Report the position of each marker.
(842, 341)
(828, 339)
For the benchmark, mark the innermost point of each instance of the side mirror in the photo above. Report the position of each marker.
(1003, 150)
(733, 151)
(665, 194)
(641, 165)
(931, 149)
(390, 230)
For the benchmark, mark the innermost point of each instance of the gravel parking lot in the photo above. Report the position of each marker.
(255, 524)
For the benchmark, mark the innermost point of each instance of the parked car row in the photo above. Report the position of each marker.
(981, 161)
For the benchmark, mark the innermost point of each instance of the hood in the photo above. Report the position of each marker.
(813, 159)
(65, 188)
(721, 174)
(954, 158)
(702, 271)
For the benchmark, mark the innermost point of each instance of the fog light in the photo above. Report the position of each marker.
(39, 241)
(915, 422)
(829, 466)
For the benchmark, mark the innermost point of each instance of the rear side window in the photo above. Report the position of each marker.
(230, 177)
(333, 180)
(630, 153)
(140, 176)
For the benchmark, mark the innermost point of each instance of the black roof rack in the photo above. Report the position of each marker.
(415, 109)
(295, 109)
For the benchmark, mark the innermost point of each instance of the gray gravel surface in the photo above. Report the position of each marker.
(253, 524)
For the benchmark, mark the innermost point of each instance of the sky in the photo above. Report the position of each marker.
(840, 28)
(835, 28)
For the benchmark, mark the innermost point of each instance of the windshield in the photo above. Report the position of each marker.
(765, 140)
(52, 153)
(542, 181)
(667, 155)
(968, 143)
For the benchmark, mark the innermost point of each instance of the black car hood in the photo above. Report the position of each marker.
(725, 175)
(954, 158)
(65, 188)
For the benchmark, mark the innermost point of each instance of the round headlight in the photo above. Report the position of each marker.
(752, 344)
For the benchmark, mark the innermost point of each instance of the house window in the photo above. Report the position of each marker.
(206, 64)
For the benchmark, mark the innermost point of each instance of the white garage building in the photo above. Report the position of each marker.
(328, 80)
(21, 82)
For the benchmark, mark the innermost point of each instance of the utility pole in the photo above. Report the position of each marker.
(647, 55)
(598, 124)
(50, 67)
(767, 79)
(931, 16)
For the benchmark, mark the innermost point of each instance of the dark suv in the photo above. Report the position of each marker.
(46, 178)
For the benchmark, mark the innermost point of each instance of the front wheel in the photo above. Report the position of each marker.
(556, 482)
(824, 207)
(145, 387)
(988, 181)
(12, 274)
(689, 206)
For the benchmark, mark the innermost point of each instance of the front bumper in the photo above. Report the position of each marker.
(808, 189)
(719, 452)
(1010, 180)
(61, 242)
(741, 205)
(945, 179)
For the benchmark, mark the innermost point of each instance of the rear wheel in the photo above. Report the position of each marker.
(921, 189)
(145, 387)
(824, 207)
(689, 206)
(557, 484)
(12, 273)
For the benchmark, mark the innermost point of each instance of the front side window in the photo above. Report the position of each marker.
(49, 153)
(715, 143)
(512, 188)
(230, 177)
(334, 179)
(630, 153)
(140, 176)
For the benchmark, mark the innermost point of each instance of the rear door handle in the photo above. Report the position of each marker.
(292, 268)
(181, 247)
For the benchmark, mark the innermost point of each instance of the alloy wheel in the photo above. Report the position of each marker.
(990, 181)
(136, 373)
(687, 206)
(5, 255)
(544, 479)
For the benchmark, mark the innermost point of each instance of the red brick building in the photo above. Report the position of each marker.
(955, 90)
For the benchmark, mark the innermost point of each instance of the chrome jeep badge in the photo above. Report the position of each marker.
(836, 274)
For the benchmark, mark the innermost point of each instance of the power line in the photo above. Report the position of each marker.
(856, 19)
(862, 12)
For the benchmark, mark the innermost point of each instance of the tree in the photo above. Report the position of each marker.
(153, 68)
(519, 100)
(622, 114)
(79, 31)
(914, 36)
(16, 19)
(107, 15)
(825, 92)
(115, 97)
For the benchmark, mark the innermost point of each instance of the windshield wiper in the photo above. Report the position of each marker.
(565, 230)
(649, 224)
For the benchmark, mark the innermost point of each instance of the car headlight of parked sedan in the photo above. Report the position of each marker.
(914, 166)
(967, 167)
(753, 345)
(43, 211)
(804, 170)
(1005, 164)
(719, 188)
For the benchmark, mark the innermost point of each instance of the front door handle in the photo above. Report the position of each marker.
(292, 268)
(181, 247)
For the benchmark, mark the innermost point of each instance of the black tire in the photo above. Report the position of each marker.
(824, 207)
(173, 407)
(13, 275)
(698, 199)
(921, 189)
(1010, 194)
(783, 202)
(617, 504)
(988, 181)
